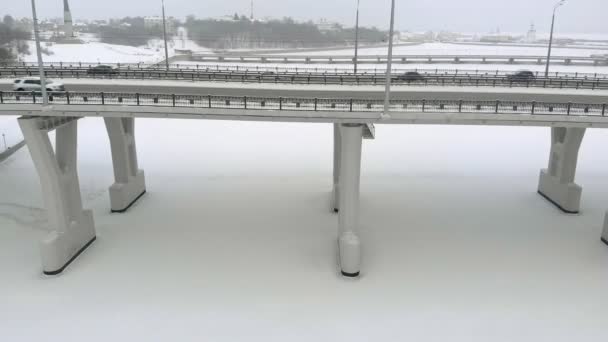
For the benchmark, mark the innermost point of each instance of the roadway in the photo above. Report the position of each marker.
(477, 79)
(332, 91)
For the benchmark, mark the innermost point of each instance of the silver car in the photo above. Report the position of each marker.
(33, 84)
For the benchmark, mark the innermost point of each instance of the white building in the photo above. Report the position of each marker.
(157, 22)
(326, 26)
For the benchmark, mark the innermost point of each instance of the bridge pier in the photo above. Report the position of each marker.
(556, 182)
(349, 245)
(130, 182)
(605, 231)
(72, 228)
(335, 203)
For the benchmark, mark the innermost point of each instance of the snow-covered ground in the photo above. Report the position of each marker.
(92, 51)
(10, 134)
(440, 67)
(458, 49)
(235, 241)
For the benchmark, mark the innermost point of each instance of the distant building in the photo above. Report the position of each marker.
(327, 26)
(496, 38)
(531, 35)
(225, 18)
(157, 22)
(417, 37)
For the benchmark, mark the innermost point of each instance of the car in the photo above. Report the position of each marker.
(102, 70)
(522, 76)
(410, 76)
(33, 84)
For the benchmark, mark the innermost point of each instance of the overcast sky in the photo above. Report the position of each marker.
(577, 16)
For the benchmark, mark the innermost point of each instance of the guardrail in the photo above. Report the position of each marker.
(23, 69)
(403, 59)
(308, 104)
(327, 79)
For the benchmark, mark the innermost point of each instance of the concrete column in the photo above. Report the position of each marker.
(130, 182)
(336, 184)
(557, 182)
(348, 218)
(605, 231)
(72, 228)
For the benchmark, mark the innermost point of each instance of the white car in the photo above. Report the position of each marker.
(33, 84)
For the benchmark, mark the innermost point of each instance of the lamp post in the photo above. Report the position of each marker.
(165, 36)
(558, 5)
(389, 64)
(357, 38)
(45, 98)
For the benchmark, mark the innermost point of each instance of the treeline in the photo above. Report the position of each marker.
(13, 40)
(242, 33)
(129, 31)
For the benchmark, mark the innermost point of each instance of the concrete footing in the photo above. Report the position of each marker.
(130, 182)
(72, 228)
(556, 183)
(605, 231)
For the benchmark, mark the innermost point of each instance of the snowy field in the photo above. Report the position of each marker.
(458, 49)
(235, 241)
(92, 51)
(10, 134)
(374, 68)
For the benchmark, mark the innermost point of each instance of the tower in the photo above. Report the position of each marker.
(531, 36)
(68, 27)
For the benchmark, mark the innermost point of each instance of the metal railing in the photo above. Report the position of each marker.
(426, 79)
(308, 104)
(15, 69)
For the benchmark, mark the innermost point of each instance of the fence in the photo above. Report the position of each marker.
(308, 104)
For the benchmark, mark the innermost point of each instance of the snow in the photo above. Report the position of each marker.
(459, 49)
(235, 241)
(440, 67)
(92, 51)
(10, 134)
(96, 52)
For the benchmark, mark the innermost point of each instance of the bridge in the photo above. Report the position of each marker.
(353, 111)
(424, 77)
(397, 59)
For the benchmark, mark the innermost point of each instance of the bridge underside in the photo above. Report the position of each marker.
(73, 228)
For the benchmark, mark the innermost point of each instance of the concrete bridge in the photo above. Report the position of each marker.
(424, 77)
(353, 111)
(397, 59)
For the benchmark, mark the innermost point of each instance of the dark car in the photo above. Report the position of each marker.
(522, 76)
(410, 76)
(102, 70)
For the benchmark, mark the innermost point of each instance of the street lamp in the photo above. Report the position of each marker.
(557, 5)
(389, 65)
(165, 37)
(45, 98)
(357, 37)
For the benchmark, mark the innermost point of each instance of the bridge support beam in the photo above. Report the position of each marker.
(72, 228)
(351, 138)
(557, 182)
(130, 182)
(335, 202)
